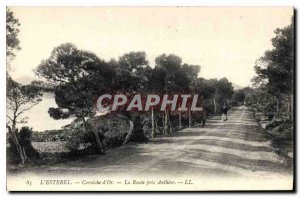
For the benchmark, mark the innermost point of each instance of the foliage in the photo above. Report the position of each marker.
(130, 72)
(19, 99)
(275, 74)
(277, 65)
(215, 92)
(78, 77)
(274, 87)
(238, 96)
(112, 128)
(24, 138)
(12, 31)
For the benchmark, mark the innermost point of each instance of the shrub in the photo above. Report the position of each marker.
(112, 130)
(24, 138)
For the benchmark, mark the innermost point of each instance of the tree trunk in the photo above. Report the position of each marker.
(129, 132)
(163, 122)
(180, 123)
(24, 154)
(215, 106)
(99, 143)
(14, 138)
(166, 123)
(190, 118)
(170, 124)
(292, 107)
(277, 109)
(153, 123)
(96, 134)
(156, 125)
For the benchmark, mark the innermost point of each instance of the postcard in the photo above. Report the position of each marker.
(150, 98)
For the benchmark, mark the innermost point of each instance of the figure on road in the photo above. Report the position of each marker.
(224, 112)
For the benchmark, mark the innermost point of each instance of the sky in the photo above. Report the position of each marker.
(225, 42)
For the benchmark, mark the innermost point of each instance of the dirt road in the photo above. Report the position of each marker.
(227, 148)
(225, 155)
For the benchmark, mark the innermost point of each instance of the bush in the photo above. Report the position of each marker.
(24, 138)
(12, 154)
(112, 130)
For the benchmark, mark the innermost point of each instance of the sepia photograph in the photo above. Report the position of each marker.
(150, 98)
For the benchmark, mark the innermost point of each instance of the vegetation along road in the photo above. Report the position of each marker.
(236, 147)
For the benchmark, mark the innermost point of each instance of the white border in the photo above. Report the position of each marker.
(5, 3)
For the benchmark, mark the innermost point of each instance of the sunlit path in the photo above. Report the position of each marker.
(233, 154)
(236, 147)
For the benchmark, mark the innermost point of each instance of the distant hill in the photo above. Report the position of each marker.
(236, 87)
(24, 80)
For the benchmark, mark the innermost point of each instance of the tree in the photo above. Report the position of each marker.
(276, 68)
(171, 76)
(132, 72)
(168, 66)
(12, 31)
(190, 77)
(19, 99)
(207, 89)
(225, 90)
(261, 100)
(78, 77)
(132, 76)
(216, 92)
(238, 96)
